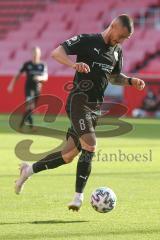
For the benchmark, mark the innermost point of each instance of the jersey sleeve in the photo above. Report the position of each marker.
(76, 45)
(118, 67)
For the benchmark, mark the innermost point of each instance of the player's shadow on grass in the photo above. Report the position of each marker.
(45, 222)
(123, 174)
(58, 221)
(91, 235)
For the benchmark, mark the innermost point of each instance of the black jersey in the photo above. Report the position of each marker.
(102, 59)
(33, 69)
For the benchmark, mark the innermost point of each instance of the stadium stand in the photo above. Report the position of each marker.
(24, 24)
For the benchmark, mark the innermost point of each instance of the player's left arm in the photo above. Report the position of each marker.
(118, 78)
(123, 80)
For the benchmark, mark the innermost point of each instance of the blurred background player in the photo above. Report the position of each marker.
(36, 74)
(150, 106)
(99, 60)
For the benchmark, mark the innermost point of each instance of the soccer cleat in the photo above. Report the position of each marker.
(76, 204)
(33, 129)
(24, 175)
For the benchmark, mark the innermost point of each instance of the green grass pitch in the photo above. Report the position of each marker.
(40, 212)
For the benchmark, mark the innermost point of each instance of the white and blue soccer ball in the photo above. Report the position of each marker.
(103, 199)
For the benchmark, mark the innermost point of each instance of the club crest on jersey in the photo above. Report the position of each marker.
(73, 40)
(116, 55)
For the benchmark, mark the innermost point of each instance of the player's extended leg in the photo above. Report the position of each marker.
(32, 95)
(27, 114)
(88, 144)
(33, 104)
(51, 161)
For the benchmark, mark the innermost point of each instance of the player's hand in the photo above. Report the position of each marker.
(10, 88)
(81, 67)
(40, 79)
(138, 83)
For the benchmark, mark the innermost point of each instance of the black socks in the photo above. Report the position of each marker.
(83, 170)
(53, 160)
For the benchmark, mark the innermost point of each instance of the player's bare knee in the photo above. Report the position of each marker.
(68, 157)
(89, 148)
(88, 142)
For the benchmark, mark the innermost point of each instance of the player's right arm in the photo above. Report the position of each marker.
(13, 82)
(72, 46)
(15, 78)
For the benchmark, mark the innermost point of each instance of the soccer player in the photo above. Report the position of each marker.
(99, 60)
(36, 74)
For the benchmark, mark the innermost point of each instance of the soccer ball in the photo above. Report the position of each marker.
(103, 199)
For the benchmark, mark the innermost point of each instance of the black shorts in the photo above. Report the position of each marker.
(83, 120)
(32, 92)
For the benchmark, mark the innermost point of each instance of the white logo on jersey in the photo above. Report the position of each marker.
(104, 67)
(73, 40)
(116, 55)
(97, 50)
